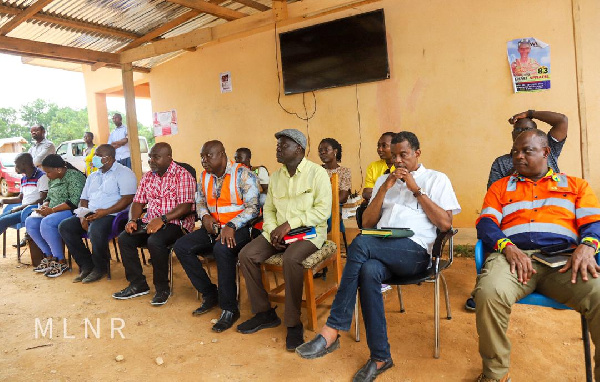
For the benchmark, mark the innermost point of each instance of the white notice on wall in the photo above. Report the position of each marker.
(225, 79)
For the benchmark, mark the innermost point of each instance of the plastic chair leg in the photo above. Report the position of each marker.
(448, 311)
(4, 244)
(238, 277)
(18, 246)
(586, 349)
(436, 318)
(171, 281)
(399, 290)
(116, 250)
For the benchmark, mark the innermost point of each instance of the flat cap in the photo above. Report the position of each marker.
(294, 135)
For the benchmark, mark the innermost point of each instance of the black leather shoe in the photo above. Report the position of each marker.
(369, 372)
(260, 321)
(208, 304)
(82, 275)
(161, 297)
(22, 244)
(294, 338)
(226, 321)
(132, 291)
(93, 276)
(317, 347)
(470, 304)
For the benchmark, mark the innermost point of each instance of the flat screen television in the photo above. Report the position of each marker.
(342, 52)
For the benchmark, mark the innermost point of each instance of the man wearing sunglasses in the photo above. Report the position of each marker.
(524, 121)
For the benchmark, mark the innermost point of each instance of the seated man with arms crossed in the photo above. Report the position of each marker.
(413, 197)
(106, 193)
(532, 209)
(34, 187)
(299, 195)
(227, 201)
(168, 192)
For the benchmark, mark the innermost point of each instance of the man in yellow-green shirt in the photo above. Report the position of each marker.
(299, 195)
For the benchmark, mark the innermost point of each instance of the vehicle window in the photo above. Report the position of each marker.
(8, 159)
(62, 149)
(143, 146)
(78, 149)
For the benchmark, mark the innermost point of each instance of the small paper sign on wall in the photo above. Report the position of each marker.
(165, 123)
(225, 79)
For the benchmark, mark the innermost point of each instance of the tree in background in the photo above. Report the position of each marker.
(61, 123)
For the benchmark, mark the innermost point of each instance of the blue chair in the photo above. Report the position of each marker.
(24, 214)
(539, 299)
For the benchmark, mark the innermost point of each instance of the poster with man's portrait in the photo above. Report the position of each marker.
(529, 60)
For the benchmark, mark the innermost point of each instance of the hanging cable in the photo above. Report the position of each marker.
(359, 135)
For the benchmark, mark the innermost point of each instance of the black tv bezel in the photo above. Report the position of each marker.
(349, 83)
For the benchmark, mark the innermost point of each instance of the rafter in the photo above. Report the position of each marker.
(212, 9)
(54, 51)
(85, 26)
(249, 3)
(24, 15)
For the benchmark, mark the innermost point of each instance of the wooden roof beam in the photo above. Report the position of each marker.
(18, 45)
(211, 9)
(24, 15)
(249, 3)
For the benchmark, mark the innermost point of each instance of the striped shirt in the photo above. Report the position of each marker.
(554, 210)
(163, 193)
(31, 187)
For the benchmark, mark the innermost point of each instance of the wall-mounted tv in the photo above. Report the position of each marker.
(342, 52)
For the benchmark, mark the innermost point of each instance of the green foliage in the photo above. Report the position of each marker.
(61, 123)
(465, 250)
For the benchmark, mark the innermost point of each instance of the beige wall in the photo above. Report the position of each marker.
(450, 85)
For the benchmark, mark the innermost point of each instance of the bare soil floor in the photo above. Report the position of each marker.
(547, 343)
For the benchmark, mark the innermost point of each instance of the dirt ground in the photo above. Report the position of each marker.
(546, 342)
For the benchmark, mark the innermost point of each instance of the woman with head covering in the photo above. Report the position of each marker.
(64, 191)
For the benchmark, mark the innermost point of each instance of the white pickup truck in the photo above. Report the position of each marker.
(72, 152)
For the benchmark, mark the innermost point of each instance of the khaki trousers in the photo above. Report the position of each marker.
(259, 250)
(497, 290)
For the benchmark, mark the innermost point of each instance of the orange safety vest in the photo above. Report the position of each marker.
(229, 204)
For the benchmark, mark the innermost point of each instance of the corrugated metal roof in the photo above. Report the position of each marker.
(131, 17)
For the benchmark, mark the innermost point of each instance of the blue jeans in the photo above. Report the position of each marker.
(44, 231)
(371, 261)
(9, 218)
(98, 232)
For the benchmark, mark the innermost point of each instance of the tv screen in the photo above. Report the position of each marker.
(342, 52)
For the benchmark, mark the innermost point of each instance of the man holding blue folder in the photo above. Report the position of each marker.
(412, 197)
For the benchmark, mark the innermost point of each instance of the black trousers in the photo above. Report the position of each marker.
(158, 245)
(199, 242)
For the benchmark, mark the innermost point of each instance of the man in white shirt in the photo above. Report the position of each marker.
(413, 197)
(118, 139)
(40, 147)
(243, 156)
(107, 192)
(34, 187)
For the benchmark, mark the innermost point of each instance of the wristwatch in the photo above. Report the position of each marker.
(164, 219)
(418, 193)
(230, 225)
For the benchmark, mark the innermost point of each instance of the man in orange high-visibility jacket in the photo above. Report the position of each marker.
(529, 210)
(227, 201)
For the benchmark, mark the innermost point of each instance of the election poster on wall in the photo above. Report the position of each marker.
(165, 123)
(529, 60)
(225, 80)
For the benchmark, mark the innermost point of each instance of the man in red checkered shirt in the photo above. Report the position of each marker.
(168, 194)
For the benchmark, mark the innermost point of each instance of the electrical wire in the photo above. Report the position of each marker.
(306, 117)
(359, 135)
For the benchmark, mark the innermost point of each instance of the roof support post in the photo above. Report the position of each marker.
(132, 130)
